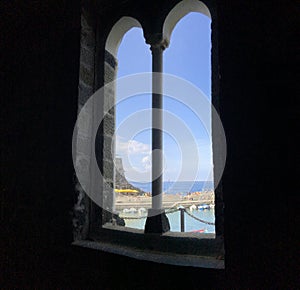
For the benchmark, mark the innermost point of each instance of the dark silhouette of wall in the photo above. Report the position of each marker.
(39, 77)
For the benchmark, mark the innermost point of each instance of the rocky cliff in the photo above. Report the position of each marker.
(120, 180)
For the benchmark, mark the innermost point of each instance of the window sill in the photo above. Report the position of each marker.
(171, 248)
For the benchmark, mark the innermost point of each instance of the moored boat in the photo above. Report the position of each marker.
(199, 231)
(204, 206)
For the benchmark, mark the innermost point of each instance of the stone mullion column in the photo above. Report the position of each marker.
(107, 129)
(157, 127)
(157, 221)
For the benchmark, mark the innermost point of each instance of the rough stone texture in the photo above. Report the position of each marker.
(86, 54)
(39, 70)
(105, 133)
(80, 214)
(86, 75)
(84, 93)
(110, 60)
(81, 210)
(108, 125)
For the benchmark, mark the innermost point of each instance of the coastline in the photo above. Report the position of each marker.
(169, 200)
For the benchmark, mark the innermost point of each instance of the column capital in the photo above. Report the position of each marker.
(157, 41)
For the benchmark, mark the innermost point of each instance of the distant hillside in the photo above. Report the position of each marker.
(120, 180)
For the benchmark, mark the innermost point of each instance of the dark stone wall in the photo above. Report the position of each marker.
(39, 79)
(40, 49)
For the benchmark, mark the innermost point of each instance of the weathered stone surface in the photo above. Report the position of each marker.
(87, 33)
(108, 125)
(108, 169)
(108, 148)
(86, 75)
(108, 195)
(84, 92)
(87, 38)
(110, 59)
(110, 73)
(80, 214)
(110, 99)
(83, 145)
(87, 55)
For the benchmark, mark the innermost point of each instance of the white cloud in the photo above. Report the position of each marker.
(136, 158)
(131, 147)
(197, 163)
(146, 161)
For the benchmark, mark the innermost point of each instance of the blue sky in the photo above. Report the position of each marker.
(188, 57)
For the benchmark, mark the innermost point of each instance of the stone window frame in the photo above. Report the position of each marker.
(206, 250)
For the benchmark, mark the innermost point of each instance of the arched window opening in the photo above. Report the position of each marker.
(103, 217)
(107, 133)
(189, 186)
(133, 146)
(189, 57)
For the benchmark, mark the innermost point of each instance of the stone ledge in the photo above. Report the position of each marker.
(182, 249)
(153, 256)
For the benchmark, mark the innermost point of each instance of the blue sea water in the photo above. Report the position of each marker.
(182, 187)
(173, 187)
(174, 220)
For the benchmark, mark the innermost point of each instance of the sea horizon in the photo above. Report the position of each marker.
(171, 181)
(174, 187)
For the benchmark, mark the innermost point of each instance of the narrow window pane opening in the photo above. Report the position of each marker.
(187, 184)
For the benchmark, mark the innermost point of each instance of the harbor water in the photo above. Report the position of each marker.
(191, 224)
(137, 219)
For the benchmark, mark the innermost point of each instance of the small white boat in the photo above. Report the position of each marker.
(132, 209)
(193, 207)
(142, 210)
(203, 207)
